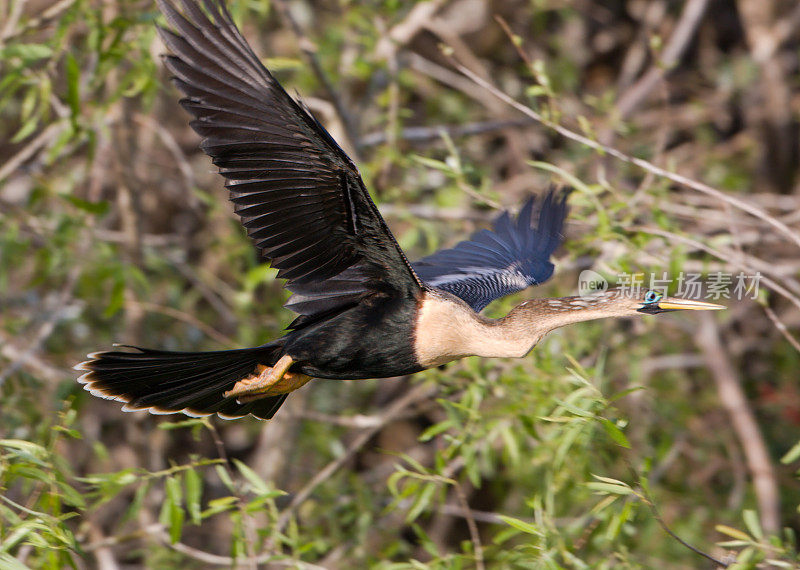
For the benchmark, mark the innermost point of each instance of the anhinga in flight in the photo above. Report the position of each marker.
(364, 310)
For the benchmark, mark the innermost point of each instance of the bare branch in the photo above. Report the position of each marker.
(641, 163)
(744, 423)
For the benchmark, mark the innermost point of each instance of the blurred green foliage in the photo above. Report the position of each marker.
(114, 229)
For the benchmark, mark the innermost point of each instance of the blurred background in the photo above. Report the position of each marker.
(114, 228)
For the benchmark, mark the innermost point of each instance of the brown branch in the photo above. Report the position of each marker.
(403, 32)
(772, 114)
(422, 134)
(103, 555)
(692, 15)
(158, 531)
(310, 51)
(721, 255)
(744, 423)
(53, 11)
(186, 318)
(782, 328)
(647, 500)
(175, 150)
(30, 149)
(473, 528)
(621, 156)
(61, 308)
(397, 409)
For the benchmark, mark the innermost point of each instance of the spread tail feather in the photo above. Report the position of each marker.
(166, 382)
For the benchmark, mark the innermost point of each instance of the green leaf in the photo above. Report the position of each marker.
(73, 85)
(26, 130)
(219, 505)
(117, 297)
(792, 455)
(96, 208)
(575, 410)
(137, 502)
(259, 486)
(518, 524)
(194, 492)
(605, 502)
(10, 563)
(71, 496)
(434, 164)
(421, 502)
(435, 430)
(26, 52)
(615, 433)
(752, 523)
(609, 488)
(10, 540)
(175, 514)
(222, 473)
(256, 482)
(733, 533)
(22, 445)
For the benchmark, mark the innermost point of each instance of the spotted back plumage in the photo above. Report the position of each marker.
(509, 258)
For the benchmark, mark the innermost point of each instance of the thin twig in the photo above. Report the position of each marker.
(50, 13)
(309, 50)
(247, 521)
(175, 150)
(61, 309)
(421, 134)
(14, 13)
(619, 155)
(721, 255)
(647, 500)
(744, 423)
(398, 408)
(688, 23)
(739, 258)
(103, 555)
(473, 528)
(781, 328)
(30, 149)
(218, 560)
(403, 32)
(186, 318)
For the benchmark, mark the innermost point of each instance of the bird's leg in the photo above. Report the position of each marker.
(268, 381)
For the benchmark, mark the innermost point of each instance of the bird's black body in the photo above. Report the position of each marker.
(370, 340)
(302, 201)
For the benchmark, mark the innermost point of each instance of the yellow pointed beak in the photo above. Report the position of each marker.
(673, 304)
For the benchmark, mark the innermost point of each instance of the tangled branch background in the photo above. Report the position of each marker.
(614, 444)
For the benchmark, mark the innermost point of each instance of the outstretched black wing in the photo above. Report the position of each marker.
(298, 194)
(496, 263)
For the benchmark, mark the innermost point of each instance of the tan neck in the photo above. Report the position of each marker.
(448, 329)
(540, 316)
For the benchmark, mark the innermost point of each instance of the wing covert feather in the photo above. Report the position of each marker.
(512, 256)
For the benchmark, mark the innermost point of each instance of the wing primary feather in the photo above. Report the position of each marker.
(514, 255)
(299, 196)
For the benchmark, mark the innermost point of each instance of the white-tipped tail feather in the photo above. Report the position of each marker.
(191, 383)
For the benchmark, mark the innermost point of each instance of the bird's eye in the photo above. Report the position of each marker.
(652, 297)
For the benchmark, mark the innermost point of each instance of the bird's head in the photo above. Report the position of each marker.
(624, 302)
(653, 302)
(540, 316)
